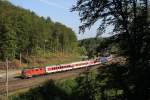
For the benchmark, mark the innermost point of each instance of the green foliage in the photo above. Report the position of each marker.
(82, 51)
(67, 85)
(22, 31)
(51, 90)
(87, 88)
(131, 24)
(99, 46)
(90, 45)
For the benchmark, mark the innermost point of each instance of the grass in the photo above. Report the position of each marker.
(47, 60)
(65, 84)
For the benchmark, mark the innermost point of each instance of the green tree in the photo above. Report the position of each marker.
(130, 21)
(7, 40)
(22, 31)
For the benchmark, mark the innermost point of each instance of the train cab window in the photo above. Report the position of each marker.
(36, 69)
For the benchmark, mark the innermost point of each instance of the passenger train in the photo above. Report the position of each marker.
(36, 71)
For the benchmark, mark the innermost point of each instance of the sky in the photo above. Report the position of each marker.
(58, 11)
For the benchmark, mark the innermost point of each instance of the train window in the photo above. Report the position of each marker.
(49, 68)
(36, 69)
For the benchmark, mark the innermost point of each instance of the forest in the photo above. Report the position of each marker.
(24, 32)
(98, 46)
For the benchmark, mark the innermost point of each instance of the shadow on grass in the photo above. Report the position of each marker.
(48, 91)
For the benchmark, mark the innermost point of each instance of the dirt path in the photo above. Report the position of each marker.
(11, 74)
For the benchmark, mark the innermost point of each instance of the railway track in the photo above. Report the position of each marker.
(18, 84)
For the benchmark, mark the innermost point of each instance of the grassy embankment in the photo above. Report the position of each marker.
(62, 88)
(44, 60)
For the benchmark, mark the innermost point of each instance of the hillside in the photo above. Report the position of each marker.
(23, 32)
(99, 46)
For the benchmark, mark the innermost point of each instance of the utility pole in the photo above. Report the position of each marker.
(6, 78)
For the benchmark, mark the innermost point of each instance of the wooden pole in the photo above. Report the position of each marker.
(6, 78)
